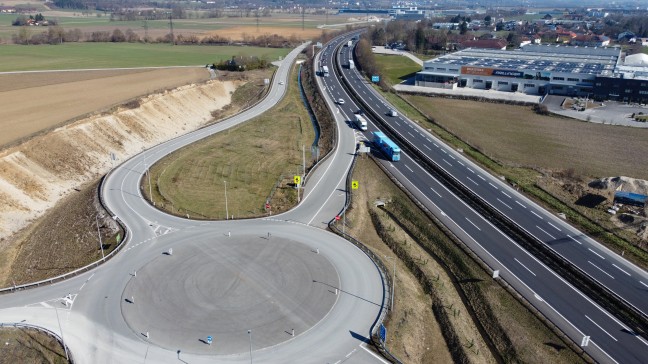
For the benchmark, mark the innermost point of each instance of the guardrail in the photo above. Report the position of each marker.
(374, 258)
(574, 275)
(20, 325)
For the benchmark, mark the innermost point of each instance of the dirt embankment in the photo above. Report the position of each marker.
(36, 174)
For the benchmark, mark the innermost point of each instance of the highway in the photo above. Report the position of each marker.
(569, 309)
(218, 278)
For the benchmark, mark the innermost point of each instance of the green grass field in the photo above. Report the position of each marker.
(116, 55)
(396, 69)
(252, 157)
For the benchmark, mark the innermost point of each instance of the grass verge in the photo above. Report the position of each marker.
(257, 159)
(29, 346)
(396, 69)
(471, 309)
(86, 55)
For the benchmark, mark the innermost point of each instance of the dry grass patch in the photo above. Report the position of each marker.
(240, 32)
(27, 346)
(515, 332)
(516, 136)
(257, 159)
(413, 332)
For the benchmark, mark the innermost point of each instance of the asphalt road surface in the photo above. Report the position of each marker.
(246, 283)
(569, 309)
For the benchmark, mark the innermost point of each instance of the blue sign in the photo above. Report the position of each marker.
(209, 340)
(375, 78)
(508, 73)
(383, 333)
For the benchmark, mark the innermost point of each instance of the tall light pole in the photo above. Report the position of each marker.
(99, 233)
(67, 357)
(250, 334)
(148, 174)
(226, 210)
(391, 305)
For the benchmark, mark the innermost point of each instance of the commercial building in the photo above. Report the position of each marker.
(533, 69)
(629, 82)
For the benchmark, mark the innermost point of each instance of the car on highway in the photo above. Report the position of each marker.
(341, 101)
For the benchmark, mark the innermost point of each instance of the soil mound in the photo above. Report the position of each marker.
(36, 174)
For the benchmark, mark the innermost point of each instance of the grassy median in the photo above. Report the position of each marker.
(256, 160)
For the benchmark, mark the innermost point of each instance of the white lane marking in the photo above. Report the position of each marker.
(597, 254)
(504, 203)
(351, 353)
(471, 180)
(411, 134)
(45, 304)
(597, 325)
(569, 236)
(443, 150)
(450, 155)
(518, 202)
(473, 224)
(433, 190)
(525, 267)
(554, 226)
(619, 268)
(505, 194)
(492, 185)
(544, 231)
(597, 267)
(397, 123)
(538, 216)
(410, 169)
(482, 178)
(447, 162)
(646, 285)
(461, 163)
(427, 147)
(471, 171)
(435, 145)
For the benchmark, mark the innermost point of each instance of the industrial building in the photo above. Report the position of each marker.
(533, 69)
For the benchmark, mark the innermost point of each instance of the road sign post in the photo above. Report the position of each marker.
(354, 185)
(209, 340)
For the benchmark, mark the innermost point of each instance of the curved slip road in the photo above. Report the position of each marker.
(88, 308)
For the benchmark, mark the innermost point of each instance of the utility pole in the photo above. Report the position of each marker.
(99, 233)
(226, 210)
(145, 30)
(171, 29)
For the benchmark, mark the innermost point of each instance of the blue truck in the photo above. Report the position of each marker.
(389, 148)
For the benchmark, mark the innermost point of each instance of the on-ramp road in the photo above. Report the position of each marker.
(245, 283)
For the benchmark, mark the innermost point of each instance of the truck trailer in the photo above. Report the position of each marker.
(360, 122)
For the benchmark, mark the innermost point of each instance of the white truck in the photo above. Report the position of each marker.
(360, 122)
(350, 43)
(351, 64)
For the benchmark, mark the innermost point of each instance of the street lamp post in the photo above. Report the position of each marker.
(226, 210)
(391, 306)
(99, 233)
(250, 334)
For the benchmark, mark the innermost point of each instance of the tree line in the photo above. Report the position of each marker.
(56, 35)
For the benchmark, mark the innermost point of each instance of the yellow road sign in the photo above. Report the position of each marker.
(297, 180)
(354, 185)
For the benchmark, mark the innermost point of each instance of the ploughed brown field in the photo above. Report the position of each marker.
(34, 102)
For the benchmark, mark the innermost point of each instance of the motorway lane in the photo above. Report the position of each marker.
(614, 272)
(93, 326)
(563, 304)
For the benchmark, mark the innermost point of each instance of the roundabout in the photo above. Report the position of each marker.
(222, 287)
